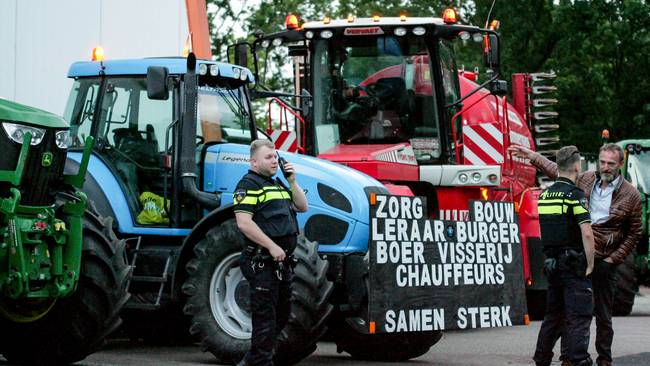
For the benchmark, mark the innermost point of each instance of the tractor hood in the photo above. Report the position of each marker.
(396, 153)
(338, 215)
(395, 162)
(20, 113)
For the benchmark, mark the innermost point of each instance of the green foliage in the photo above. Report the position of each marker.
(598, 48)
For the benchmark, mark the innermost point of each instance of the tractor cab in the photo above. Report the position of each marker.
(368, 86)
(385, 95)
(140, 133)
(375, 91)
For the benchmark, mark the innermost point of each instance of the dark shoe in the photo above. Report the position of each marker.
(603, 363)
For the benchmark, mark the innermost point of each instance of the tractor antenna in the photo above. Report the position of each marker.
(487, 21)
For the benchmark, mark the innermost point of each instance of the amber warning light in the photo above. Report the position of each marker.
(605, 134)
(449, 16)
(98, 54)
(291, 22)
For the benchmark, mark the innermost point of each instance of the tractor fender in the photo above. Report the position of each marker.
(214, 218)
(92, 189)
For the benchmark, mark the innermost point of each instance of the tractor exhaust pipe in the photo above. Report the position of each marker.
(207, 200)
(187, 164)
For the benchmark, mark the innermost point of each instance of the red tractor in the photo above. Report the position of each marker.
(385, 96)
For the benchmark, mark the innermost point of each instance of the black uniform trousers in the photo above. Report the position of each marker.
(604, 278)
(270, 299)
(568, 312)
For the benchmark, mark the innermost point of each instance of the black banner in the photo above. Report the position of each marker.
(430, 275)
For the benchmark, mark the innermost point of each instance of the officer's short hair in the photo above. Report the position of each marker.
(566, 157)
(613, 147)
(256, 144)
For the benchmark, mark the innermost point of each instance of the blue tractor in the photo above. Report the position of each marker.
(171, 142)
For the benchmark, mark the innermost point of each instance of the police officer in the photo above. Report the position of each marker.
(265, 212)
(569, 248)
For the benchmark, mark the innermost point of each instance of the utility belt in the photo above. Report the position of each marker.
(261, 258)
(567, 259)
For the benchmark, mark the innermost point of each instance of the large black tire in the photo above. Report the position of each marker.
(77, 326)
(219, 304)
(536, 301)
(381, 347)
(626, 288)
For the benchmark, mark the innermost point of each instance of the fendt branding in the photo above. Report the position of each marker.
(430, 275)
(363, 31)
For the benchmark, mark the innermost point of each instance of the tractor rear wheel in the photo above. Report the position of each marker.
(626, 288)
(218, 299)
(78, 325)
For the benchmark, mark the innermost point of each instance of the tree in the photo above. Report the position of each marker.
(595, 47)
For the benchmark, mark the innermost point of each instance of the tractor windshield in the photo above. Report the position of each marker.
(127, 111)
(134, 133)
(223, 115)
(375, 90)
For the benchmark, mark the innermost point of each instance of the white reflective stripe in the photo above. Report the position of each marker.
(512, 115)
(469, 155)
(519, 139)
(290, 139)
(286, 139)
(482, 144)
(493, 131)
(275, 134)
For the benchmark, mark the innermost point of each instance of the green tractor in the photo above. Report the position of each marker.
(636, 270)
(63, 273)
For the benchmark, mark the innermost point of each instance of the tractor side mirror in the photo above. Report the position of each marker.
(157, 88)
(241, 54)
(492, 59)
(498, 87)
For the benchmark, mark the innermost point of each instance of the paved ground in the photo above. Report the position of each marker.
(498, 347)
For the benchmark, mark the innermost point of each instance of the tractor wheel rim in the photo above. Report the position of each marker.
(227, 311)
(26, 311)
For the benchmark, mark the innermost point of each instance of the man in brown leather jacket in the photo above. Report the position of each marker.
(615, 208)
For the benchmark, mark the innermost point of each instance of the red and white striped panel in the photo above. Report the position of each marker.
(483, 144)
(284, 140)
(455, 215)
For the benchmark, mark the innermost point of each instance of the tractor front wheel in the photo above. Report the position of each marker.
(218, 299)
(626, 288)
(76, 326)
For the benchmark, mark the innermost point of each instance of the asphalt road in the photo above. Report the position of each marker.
(493, 347)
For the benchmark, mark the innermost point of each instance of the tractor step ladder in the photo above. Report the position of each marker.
(137, 302)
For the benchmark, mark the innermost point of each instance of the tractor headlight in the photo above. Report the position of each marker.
(236, 72)
(62, 139)
(17, 132)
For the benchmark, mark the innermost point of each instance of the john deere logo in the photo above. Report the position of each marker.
(47, 159)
